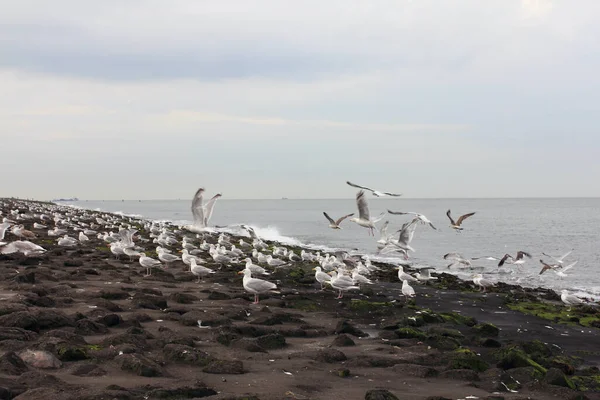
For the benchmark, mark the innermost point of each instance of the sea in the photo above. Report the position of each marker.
(550, 225)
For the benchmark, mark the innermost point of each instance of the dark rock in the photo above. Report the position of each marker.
(432, 318)
(441, 331)
(110, 320)
(460, 374)
(442, 342)
(347, 327)
(20, 319)
(487, 329)
(343, 340)
(139, 365)
(107, 305)
(73, 263)
(151, 302)
(16, 334)
(138, 341)
(140, 317)
(271, 342)
(36, 379)
(556, 377)
(466, 359)
(387, 335)
(537, 348)
(364, 361)
(191, 318)
(380, 394)
(88, 370)
(522, 375)
(9, 308)
(11, 364)
(248, 345)
(114, 294)
(183, 298)
(343, 373)
(224, 367)
(185, 392)
(489, 342)
(88, 327)
(330, 356)
(410, 333)
(186, 354)
(51, 319)
(513, 357)
(72, 353)
(214, 295)
(28, 277)
(417, 371)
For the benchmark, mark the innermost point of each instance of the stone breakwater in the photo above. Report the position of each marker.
(76, 323)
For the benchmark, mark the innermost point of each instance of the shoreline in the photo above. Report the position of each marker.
(115, 332)
(586, 293)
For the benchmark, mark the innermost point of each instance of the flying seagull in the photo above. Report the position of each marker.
(456, 225)
(560, 259)
(336, 224)
(517, 260)
(546, 267)
(201, 212)
(420, 217)
(364, 219)
(376, 193)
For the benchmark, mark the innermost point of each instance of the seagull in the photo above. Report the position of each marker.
(569, 299)
(456, 225)
(517, 261)
(342, 283)
(254, 285)
(546, 267)
(457, 259)
(376, 193)
(560, 259)
(336, 224)
(359, 279)
(201, 212)
(166, 257)
(148, 263)
(426, 275)
(199, 270)
(364, 218)
(131, 252)
(22, 233)
(423, 219)
(479, 280)
(403, 276)
(407, 290)
(402, 245)
(3, 227)
(321, 276)
(256, 269)
(561, 270)
(274, 262)
(83, 238)
(22, 246)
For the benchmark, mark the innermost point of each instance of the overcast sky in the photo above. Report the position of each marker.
(150, 99)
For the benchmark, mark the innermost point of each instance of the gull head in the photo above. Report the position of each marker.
(354, 219)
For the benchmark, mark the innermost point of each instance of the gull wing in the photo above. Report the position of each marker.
(339, 221)
(453, 256)
(363, 207)
(561, 258)
(393, 194)
(450, 217)
(521, 253)
(197, 209)
(358, 186)
(383, 230)
(503, 260)
(463, 217)
(400, 212)
(328, 217)
(568, 267)
(407, 232)
(208, 208)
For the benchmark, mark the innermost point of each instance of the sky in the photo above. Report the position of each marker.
(148, 99)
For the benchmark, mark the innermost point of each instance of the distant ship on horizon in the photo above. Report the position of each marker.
(70, 199)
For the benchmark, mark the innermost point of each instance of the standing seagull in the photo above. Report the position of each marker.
(517, 261)
(336, 224)
(480, 281)
(376, 193)
(423, 219)
(364, 219)
(254, 285)
(201, 212)
(456, 225)
(569, 299)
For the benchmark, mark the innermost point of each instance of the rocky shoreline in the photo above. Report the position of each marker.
(75, 323)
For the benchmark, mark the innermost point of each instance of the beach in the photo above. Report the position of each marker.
(77, 323)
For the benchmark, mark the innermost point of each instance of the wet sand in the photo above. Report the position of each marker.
(90, 326)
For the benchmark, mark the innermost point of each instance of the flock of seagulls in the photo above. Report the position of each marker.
(340, 271)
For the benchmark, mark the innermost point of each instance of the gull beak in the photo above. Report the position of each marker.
(180, 251)
(314, 269)
(329, 273)
(240, 272)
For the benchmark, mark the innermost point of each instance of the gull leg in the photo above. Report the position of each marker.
(256, 299)
(198, 281)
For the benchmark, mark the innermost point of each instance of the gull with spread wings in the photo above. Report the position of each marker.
(423, 219)
(508, 259)
(560, 259)
(456, 224)
(376, 193)
(201, 212)
(336, 224)
(364, 219)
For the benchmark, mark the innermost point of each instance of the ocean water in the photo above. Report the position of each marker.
(500, 226)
